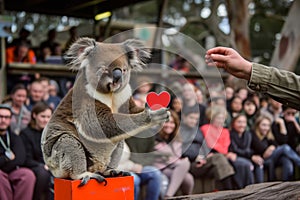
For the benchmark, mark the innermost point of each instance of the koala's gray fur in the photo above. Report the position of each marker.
(84, 137)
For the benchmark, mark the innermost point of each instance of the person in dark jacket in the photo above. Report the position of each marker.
(16, 181)
(292, 126)
(31, 136)
(241, 145)
(265, 145)
(203, 161)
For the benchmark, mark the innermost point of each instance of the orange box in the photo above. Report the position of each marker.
(116, 188)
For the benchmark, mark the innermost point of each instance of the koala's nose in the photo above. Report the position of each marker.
(117, 74)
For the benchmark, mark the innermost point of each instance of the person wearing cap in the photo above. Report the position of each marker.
(16, 181)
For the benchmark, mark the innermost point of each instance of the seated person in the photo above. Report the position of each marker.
(16, 181)
(23, 54)
(31, 136)
(143, 175)
(204, 163)
(20, 53)
(173, 165)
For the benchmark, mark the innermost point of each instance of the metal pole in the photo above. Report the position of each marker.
(3, 77)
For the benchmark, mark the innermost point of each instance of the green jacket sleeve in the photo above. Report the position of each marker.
(281, 85)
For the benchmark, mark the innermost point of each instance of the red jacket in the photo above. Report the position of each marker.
(11, 57)
(216, 138)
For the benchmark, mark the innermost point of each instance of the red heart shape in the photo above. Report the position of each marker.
(156, 101)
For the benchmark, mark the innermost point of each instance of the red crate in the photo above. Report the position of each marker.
(116, 188)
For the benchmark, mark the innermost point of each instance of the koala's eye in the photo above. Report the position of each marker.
(124, 70)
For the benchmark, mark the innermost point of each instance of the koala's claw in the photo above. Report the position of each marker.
(99, 179)
(126, 174)
(115, 173)
(84, 181)
(158, 116)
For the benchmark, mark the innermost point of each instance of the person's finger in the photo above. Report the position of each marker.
(218, 57)
(217, 50)
(216, 64)
(208, 59)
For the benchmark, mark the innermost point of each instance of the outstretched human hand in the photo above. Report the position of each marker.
(230, 60)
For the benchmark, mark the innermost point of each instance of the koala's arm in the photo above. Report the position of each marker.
(116, 155)
(130, 107)
(117, 126)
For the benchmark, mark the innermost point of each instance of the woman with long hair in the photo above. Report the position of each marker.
(218, 139)
(204, 163)
(40, 115)
(265, 145)
(171, 163)
(241, 140)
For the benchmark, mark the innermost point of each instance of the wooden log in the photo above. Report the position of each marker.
(268, 190)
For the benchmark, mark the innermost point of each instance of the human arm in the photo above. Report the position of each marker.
(269, 151)
(231, 156)
(230, 60)
(281, 85)
(257, 159)
(279, 131)
(290, 120)
(281, 125)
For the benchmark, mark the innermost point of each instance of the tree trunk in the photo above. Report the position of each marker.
(239, 23)
(287, 51)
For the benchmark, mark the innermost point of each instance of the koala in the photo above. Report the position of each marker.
(84, 138)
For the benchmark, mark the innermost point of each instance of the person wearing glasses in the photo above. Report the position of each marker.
(16, 181)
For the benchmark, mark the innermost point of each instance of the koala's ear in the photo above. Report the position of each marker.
(137, 53)
(78, 51)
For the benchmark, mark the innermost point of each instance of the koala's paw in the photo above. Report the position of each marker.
(159, 116)
(99, 178)
(115, 173)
